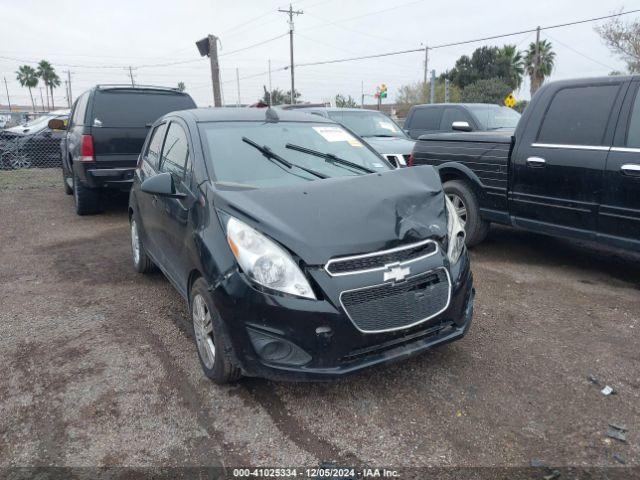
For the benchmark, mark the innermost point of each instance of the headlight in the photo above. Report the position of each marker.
(265, 262)
(455, 232)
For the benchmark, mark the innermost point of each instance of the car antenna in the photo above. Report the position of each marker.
(271, 115)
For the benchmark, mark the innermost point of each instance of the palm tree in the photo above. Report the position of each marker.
(513, 59)
(50, 78)
(546, 62)
(28, 77)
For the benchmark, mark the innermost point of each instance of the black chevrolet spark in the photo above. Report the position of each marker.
(302, 253)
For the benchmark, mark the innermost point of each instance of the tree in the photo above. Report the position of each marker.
(546, 62)
(511, 60)
(486, 90)
(28, 77)
(50, 78)
(345, 102)
(181, 87)
(623, 39)
(419, 92)
(278, 97)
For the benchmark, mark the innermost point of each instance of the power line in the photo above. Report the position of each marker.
(464, 42)
(580, 53)
(254, 45)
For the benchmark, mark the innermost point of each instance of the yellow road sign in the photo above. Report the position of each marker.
(510, 101)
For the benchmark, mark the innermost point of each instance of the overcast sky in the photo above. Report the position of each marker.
(97, 40)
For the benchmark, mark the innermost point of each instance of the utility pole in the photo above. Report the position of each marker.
(446, 90)
(215, 70)
(7, 90)
(536, 63)
(42, 99)
(270, 88)
(70, 94)
(426, 63)
(131, 76)
(238, 84)
(432, 96)
(362, 93)
(66, 92)
(291, 12)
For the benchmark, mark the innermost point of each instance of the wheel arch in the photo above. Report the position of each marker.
(456, 171)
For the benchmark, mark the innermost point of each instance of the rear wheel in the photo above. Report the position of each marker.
(87, 199)
(213, 349)
(466, 204)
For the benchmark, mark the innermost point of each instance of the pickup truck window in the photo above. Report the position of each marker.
(578, 115)
(451, 115)
(426, 119)
(633, 134)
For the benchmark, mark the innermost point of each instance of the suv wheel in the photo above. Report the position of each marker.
(214, 350)
(141, 261)
(466, 204)
(87, 200)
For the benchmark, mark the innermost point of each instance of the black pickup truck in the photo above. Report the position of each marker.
(571, 168)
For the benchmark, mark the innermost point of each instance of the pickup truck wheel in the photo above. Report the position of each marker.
(466, 204)
(141, 261)
(87, 200)
(213, 349)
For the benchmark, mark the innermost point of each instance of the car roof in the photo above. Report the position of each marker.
(339, 109)
(239, 114)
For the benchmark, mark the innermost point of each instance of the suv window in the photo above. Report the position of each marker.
(426, 119)
(633, 133)
(80, 109)
(175, 152)
(451, 115)
(135, 108)
(152, 155)
(578, 115)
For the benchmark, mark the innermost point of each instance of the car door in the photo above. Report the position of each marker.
(150, 208)
(175, 236)
(619, 219)
(423, 120)
(557, 168)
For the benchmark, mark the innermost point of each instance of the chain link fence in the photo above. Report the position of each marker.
(24, 150)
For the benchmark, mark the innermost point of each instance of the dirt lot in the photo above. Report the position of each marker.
(99, 367)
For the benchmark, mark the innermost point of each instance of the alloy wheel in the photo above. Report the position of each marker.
(203, 329)
(135, 243)
(460, 207)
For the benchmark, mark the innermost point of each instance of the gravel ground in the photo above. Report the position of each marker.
(100, 368)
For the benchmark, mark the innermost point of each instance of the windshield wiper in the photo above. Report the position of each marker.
(382, 135)
(271, 155)
(329, 157)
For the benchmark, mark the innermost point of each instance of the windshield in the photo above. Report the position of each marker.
(368, 123)
(236, 161)
(494, 117)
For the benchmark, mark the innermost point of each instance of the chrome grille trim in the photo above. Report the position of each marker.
(402, 327)
(379, 253)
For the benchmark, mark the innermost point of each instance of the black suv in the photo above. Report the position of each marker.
(106, 130)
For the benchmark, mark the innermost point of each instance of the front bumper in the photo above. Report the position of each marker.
(329, 345)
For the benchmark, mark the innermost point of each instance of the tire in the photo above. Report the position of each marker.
(87, 200)
(465, 201)
(67, 189)
(141, 261)
(208, 332)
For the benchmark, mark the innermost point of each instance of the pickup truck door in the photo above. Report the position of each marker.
(619, 219)
(558, 163)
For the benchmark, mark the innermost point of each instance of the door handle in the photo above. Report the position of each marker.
(630, 169)
(536, 162)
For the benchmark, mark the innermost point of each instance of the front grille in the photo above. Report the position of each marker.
(378, 260)
(392, 306)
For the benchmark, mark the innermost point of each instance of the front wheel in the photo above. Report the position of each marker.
(466, 205)
(213, 349)
(141, 261)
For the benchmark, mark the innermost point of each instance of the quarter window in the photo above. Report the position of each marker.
(80, 110)
(152, 155)
(578, 116)
(175, 152)
(633, 134)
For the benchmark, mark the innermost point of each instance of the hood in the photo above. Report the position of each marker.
(390, 145)
(346, 215)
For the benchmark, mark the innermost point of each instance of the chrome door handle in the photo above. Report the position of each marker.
(536, 162)
(631, 169)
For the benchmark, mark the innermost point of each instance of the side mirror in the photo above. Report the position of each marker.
(56, 124)
(461, 126)
(162, 185)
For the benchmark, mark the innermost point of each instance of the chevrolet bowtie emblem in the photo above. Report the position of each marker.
(396, 273)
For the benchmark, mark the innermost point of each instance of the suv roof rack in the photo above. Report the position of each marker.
(115, 86)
